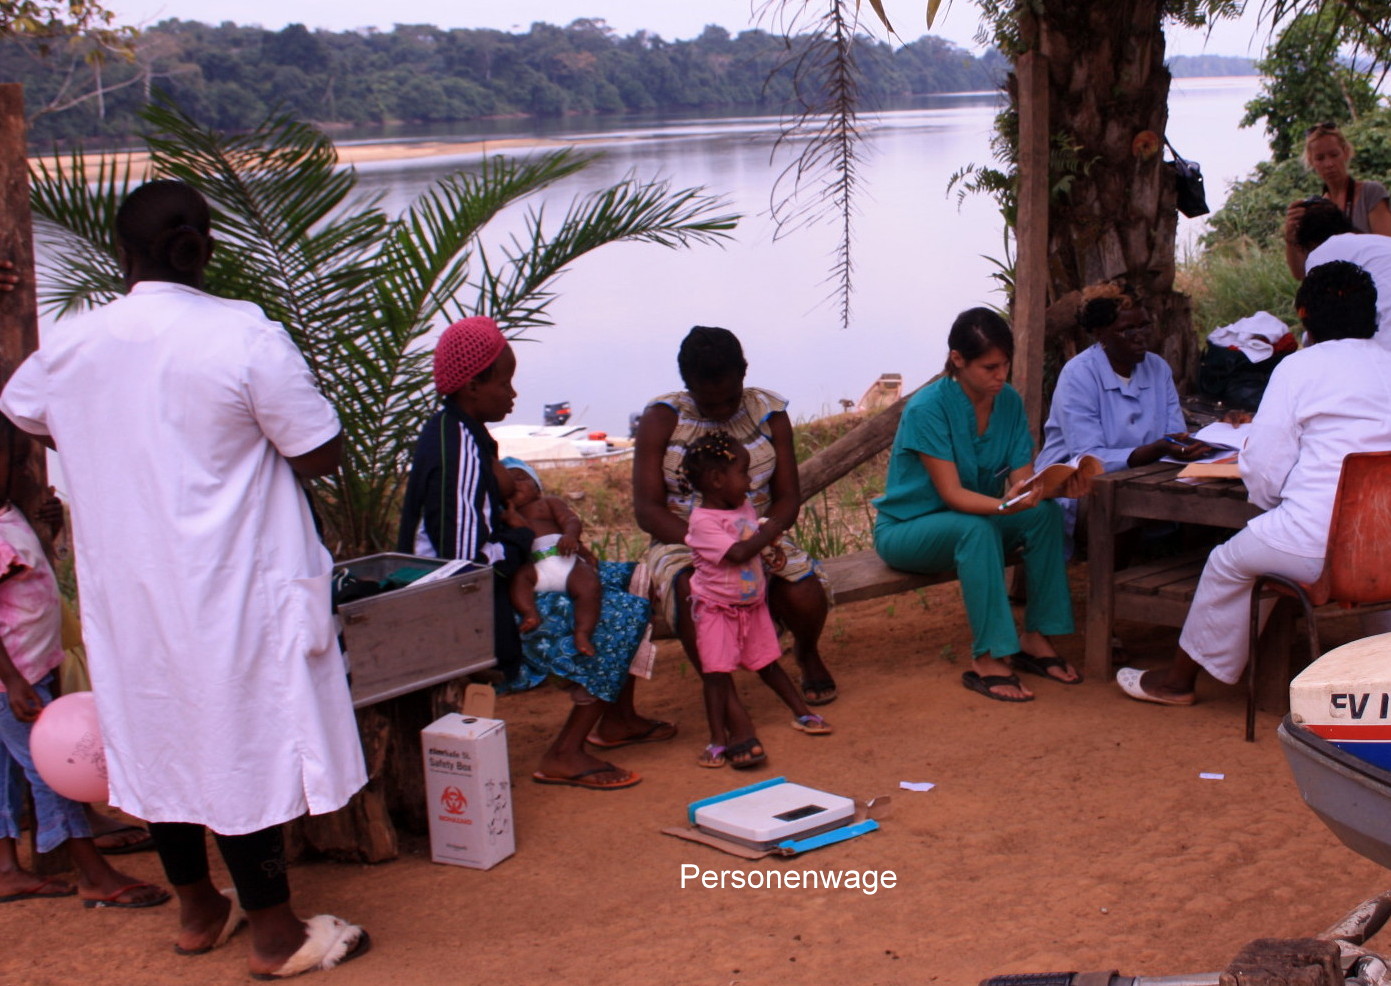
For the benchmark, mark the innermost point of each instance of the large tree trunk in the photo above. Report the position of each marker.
(1113, 216)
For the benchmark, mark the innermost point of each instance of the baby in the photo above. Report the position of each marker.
(559, 562)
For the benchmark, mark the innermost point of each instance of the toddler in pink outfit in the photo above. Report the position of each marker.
(729, 607)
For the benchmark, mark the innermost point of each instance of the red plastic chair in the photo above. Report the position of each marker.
(1357, 568)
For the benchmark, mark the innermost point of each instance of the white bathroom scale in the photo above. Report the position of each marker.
(771, 813)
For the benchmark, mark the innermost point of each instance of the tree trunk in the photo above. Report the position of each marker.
(1113, 212)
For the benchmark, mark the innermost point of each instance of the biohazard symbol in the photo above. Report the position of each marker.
(453, 800)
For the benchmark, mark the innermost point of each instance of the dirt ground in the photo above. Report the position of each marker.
(1072, 833)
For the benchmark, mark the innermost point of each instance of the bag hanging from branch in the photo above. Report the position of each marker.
(1188, 180)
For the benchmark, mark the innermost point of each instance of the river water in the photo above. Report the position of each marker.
(919, 256)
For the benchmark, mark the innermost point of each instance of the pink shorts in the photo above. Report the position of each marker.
(730, 637)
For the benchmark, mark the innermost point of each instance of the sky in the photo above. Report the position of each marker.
(672, 19)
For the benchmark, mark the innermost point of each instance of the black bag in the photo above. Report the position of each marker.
(1188, 181)
(1226, 375)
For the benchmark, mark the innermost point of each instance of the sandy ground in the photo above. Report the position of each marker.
(347, 153)
(1071, 833)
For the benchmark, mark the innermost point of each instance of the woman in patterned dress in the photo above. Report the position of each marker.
(712, 367)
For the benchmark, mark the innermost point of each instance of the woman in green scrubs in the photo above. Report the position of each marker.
(961, 454)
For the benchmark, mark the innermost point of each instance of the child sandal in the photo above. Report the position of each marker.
(712, 756)
(813, 725)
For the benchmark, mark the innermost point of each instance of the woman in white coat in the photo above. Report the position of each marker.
(1323, 403)
(184, 422)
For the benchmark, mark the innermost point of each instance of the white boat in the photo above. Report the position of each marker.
(551, 446)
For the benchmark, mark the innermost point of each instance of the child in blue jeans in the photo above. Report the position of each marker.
(30, 650)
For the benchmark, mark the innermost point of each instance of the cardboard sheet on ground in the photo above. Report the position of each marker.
(763, 796)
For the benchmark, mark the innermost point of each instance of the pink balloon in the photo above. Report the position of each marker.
(67, 748)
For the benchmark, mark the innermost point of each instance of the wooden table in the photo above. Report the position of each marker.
(1153, 593)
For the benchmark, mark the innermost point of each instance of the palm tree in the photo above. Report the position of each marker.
(358, 291)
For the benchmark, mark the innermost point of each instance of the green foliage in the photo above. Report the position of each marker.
(227, 76)
(1234, 280)
(1306, 82)
(358, 290)
(1255, 209)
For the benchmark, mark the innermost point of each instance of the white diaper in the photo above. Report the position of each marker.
(552, 568)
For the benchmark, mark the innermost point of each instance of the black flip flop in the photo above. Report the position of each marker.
(1024, 661)
(819, 691)
(746, 747)
(983, 683)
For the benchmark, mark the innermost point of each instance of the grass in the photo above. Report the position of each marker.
(836, 521)
(1236, 279)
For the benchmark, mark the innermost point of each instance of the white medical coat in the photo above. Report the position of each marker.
(205, 589)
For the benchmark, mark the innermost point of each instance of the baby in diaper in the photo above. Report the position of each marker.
(559, 562)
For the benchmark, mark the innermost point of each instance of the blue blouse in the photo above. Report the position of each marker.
(1097, 413)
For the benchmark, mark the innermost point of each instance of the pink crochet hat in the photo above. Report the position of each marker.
(466, 349)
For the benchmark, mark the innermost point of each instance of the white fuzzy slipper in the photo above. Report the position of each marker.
(1129, 680)
(331, 941)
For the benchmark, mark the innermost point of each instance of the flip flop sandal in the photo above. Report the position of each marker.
(41, 890)
(712, 756)
(114, 899)
(983, 683)
(144, 843)
(813, 725)
(585, 779)
(746, 750)
(819, 691)
(1024, 661)
(656, 732)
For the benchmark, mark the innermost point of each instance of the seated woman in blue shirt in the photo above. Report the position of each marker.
(1115, 400)
(962, 453)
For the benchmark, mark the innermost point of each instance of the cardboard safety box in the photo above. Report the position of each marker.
(418, 635)
(468, 791)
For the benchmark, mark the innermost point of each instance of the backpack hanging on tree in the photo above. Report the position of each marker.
(1188, 181)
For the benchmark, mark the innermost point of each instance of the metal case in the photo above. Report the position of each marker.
(419, 635)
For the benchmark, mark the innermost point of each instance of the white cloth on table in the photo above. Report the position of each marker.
(1254, 335)
(205, 589)
(1372, 253)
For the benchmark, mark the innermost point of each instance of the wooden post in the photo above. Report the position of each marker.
(19, 336)
(1031, 234)
(19, 318)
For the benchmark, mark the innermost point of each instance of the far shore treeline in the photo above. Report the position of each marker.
(229, 76)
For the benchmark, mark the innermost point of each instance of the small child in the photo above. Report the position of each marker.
(559, 561)
(728, 602)
(30, 650)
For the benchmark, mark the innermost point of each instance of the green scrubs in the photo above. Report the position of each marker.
(917, 532)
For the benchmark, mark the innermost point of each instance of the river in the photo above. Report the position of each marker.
(919, 256)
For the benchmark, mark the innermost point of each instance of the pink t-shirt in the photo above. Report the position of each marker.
(31, 619)
(710, 533)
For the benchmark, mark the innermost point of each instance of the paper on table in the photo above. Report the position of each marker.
(1224, 440)
(1223, 469)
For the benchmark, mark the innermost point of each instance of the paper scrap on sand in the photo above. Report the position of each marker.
(1212, 777)
(916, 785)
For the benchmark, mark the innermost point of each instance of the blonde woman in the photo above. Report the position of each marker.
(1327, 153)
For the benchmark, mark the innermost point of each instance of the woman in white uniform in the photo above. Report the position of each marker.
(1323, 403)
(184, 422)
